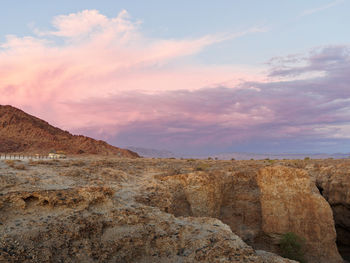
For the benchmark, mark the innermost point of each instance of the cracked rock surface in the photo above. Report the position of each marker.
(98, 209)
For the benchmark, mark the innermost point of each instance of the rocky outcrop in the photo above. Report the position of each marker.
(23, 133)
(76, 220)
(290, 202)
(149, 210)
(334, 184)
(268, 257)
(259, 205)
(117, 234)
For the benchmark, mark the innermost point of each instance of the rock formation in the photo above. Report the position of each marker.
(96, 209)
(51, 213)
(290, 202)
(23, 133)
(260, 205)
(333, 182)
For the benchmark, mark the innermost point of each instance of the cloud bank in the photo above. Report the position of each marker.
(103, 77)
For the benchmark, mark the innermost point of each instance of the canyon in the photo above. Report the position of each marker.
(108, 209)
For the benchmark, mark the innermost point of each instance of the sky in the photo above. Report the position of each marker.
(193, 77)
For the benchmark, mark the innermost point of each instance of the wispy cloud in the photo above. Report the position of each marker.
(88, 56)
(321, 8)
(105, 78)
(314, 109)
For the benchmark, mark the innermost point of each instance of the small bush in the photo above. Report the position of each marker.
(202, 167)
(306, 158)
(20, 167)
(78, 163)
(73, 173)
(13, 164)
(43, 162)
(293, 247)
(10, 163)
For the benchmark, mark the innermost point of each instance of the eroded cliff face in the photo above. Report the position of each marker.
(148, 210)
(333, 182)
(290, 202)
(94, 211)
(259, 205)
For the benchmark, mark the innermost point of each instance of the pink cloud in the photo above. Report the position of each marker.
(102, 57)
(103, 77)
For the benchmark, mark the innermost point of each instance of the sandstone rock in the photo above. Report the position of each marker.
(334, 183)
(290, 202)
(259, 205)
(135, 210)
(99, 228)
(268, 257)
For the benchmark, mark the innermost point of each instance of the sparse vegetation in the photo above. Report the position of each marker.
(73, 173)
(14, 164)
(293, 247)
(203, 167)
(10, 163)
(43, 162)
(78, 163)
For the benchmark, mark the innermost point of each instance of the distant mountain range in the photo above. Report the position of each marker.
(155, 153)
(259, 156)
(24, 133)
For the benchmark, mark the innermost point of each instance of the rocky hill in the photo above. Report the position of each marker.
(23, 133)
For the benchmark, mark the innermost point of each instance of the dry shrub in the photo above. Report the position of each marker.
(13, 164)
(173, 171)
(113, 174)
(43, 162)
(73, 173)
(102, 163)
(107, 191)
(300, 164)
(78, 163)
(10, 163)
(203, 167)
(20, 167)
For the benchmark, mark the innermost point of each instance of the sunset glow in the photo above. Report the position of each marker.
(110, 78)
